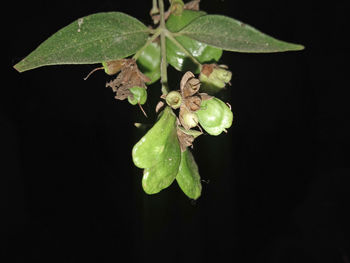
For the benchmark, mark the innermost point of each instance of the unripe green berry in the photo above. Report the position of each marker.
(188, 119)
(139, 95)
(214, 116)
(174, 99)
(191, 119)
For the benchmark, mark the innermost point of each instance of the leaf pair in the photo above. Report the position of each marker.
(113, 35)
(158, 153)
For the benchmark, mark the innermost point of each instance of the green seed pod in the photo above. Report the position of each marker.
(174, 99)
(149, 62)
(202, 52)
(139, 95)
(214, 116)
(159, 153)
(188, 176)
(214, 78)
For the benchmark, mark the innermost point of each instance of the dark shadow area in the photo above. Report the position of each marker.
(275, 187)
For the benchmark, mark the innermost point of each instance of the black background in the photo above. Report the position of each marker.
(276, 185)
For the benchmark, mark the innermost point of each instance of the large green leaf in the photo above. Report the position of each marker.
(159, 153)
(163, 173)
(233, 35)
(91, 39)
(149, 149)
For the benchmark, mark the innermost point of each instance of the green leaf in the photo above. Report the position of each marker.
(159, 153)
(149, 62)
(177, 22)
(233, 35)
(92, 39)
(163, 173)
(188, 176)
(201, 51)
(148, 150)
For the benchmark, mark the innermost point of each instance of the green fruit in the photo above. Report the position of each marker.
(149, 62)
(188, 176)
(214, 116)
(202, 52)
(158, 152)
(216, 80)
(139, 95)
(174, 99)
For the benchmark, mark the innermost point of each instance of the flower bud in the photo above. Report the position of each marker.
(214, 116)
(139, 95)
(214, 78)
(113, 67)
(173, 99)
(177, 7)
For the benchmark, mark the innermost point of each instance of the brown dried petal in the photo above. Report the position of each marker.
(185, 140)
(129, 77)
(123, 93)
(191, 87)
(188, 75)
(159, 105)
(207, 69)
(192, 5)
(205, 96)
(193, 103)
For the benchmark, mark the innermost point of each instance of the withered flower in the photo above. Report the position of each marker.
(129, 77)
(191, 100)
(186, 137)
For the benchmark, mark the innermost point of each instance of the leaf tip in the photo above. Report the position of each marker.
(298, 47)
(17, 68)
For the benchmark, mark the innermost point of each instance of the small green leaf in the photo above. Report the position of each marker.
(91, 39)
(188, 176)
(233, 35)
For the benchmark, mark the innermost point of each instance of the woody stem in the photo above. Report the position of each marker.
(163, 66)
